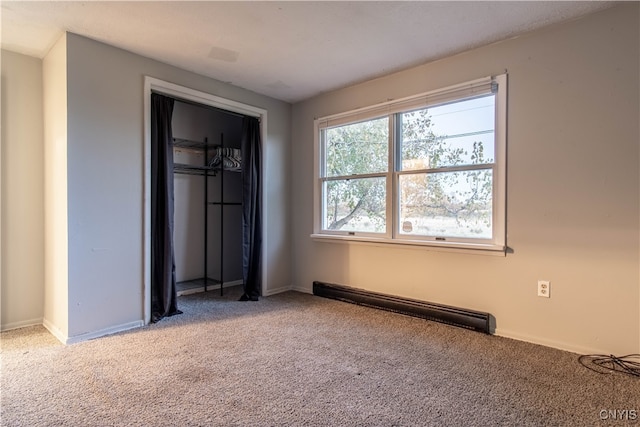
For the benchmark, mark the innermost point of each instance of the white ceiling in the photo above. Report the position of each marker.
(286, 50)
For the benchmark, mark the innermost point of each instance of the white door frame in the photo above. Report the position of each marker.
(182, 92)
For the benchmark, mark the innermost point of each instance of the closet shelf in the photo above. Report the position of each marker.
(200, 170)
(198, 145)
(193, 169)
(206, 169)
(226, 203)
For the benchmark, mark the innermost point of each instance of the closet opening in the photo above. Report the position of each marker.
(207, 198)
(205, 216)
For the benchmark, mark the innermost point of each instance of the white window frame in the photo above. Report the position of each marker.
(497, 85)
(388, 175)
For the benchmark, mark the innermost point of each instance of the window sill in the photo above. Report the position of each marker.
(466, 248)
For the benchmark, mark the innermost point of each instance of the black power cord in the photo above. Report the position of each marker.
(629, 364)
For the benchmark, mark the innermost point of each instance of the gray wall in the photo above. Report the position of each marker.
(106, 173)
(573, 190)
(22, 232)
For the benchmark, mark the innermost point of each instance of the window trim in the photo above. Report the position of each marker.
(496, 84)
(321, 179)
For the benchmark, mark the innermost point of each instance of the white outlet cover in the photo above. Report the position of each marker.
(544, 288)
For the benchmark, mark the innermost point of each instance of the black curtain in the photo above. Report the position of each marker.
(251, 208)
(163, 269)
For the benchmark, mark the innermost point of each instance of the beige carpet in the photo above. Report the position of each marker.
(299, 360)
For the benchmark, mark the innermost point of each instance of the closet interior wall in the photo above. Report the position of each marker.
(224, 229)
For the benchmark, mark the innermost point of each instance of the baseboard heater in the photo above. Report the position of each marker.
(469, 319)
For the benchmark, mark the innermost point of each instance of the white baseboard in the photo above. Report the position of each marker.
(63, 338)
(103, 332)
(304, 290)
(277, 291)
(548, 343)
(232, 283)
(21, 324)
(54, 331)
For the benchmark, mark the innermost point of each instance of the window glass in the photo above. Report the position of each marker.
(446, 204)
(355, 205)
(358, 148)
(454, 134)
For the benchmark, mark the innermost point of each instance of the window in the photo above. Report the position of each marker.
(427, 170)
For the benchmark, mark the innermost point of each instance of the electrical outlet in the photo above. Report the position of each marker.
(544, 288)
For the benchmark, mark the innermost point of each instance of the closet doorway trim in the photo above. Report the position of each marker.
(178, 92)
